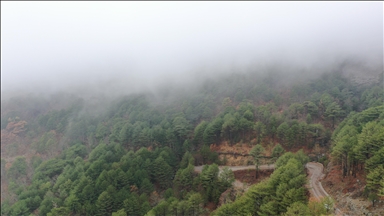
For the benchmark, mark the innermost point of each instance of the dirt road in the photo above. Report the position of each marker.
(315, 175)
(316, 188)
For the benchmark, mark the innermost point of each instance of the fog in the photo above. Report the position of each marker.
(124, 47)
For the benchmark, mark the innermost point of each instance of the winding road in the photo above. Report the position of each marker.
(315, 171)
(315, 174)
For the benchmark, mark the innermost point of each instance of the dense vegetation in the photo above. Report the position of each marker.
(284, 193)
(136, 157)
(359, 142)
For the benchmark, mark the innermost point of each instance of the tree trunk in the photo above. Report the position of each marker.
(257, 170)
(346, 165)
(343, 166)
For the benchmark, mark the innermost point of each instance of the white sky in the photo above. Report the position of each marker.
(59, 44)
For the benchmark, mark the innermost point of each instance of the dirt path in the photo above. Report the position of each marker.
(235, 168)
(315, 175)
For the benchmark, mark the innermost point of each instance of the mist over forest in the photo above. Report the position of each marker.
(192, 108)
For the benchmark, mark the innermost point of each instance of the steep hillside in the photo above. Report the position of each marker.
(135, 154)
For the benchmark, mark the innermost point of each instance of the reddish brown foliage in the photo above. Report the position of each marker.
(249, 176)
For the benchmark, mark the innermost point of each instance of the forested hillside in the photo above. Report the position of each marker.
(359, 144)
(135, 155)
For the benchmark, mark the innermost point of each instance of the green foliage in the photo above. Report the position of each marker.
(370, 140)
(183, 180)
(45, 143)
(72, 202)
(131, 205)
(282, 193)
(181, 127)
(186, 160)
(360, 119)
(208, 155)
(296, 110)
(256, 152)
(61, 211)
(372, 97)
(33, 202)
(209, 180)
(162, 172)
(333, 111)
(97, 152)
(104, 204)
(19, 208)
(360, 139)
(260, 130)
(310, 108)
(226, 177)
(212, 131)
(101, 131)
(345, 143)
(77, 150)
(282, 132)
(162, 209)
(168, 193)
(199, 132)
(376, 160)
(18, 168)
(229, 126)
(195, 203)
(146, 186)
(49, 169)
(297, 209)
(322, 207)
(374, 179)
(309, 119)
(121, 212)
(36, 161)
(277, 151)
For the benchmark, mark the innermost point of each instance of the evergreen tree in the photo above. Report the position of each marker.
(282, 132)
(72, 202)
(277, 151)
(132, 206)
(256, 152)
(146, 186)
(195, 203)
(162, 172)
(333, 111)
(162, 209)
(260, 131)
(297, 209)
(104, 204)
(121, 212)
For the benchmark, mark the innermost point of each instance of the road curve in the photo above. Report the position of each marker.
(316, 188)
(315, 175)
